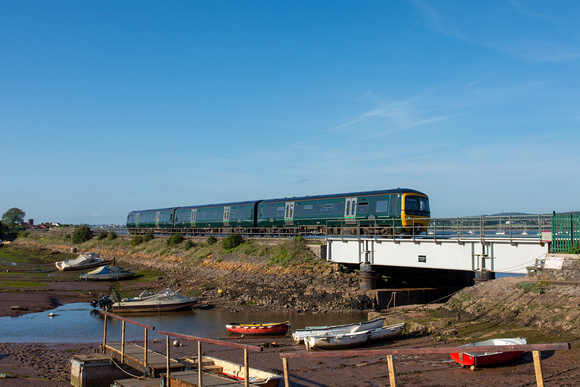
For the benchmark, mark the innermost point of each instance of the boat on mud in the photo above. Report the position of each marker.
(471, 358)
(83, 261)
(236, 371)
(107, 273)
(299, 334)
(353, 339)
(166, 300)
(276, 328)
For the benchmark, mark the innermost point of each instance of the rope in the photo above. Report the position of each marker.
(117, 365)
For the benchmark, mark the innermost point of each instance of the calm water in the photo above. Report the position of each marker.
(80, 323)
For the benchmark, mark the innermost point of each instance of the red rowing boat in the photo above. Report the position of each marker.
(278, 328)
(474, 359)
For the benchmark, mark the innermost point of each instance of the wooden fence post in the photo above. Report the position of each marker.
(246, 368)
(538, 368)
(199, 364)
(105, 336)
(392, 372)
(123, 341)
(286, 372)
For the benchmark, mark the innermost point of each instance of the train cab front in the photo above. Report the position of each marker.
(415, 212)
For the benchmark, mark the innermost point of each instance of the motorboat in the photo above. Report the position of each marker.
(475, 359)
(299, 334)
(83, 261)
(276, 328)
(163, 301)
(107, 273)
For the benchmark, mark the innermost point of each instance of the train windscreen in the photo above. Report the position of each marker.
(417, 205)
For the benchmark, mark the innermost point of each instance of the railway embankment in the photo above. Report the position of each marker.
(290, 277)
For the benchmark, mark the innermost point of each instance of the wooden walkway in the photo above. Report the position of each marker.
(135, 358)
(182, 379)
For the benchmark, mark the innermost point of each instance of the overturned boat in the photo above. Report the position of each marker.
(83, 261)
(163, 301)
(107, 273)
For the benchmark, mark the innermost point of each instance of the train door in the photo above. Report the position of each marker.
(193, 217)
(350, 211)
(137, 216)
(157, 218)
(226, 216)
(289, 214)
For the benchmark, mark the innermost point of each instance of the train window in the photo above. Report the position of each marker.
(383, 206)
(271, 212)
(318, 209)
(280, 212)
(339, 209)
(233, 214)
(395, 206)
(363, 208)
(201, 215)
(328, 209)
(298, 210)
(308, 209)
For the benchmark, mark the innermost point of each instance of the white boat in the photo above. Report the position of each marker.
(337, 340)
(236, 371)
(163, 301)
(83, 261)
(107, 273)
(299, 334)
(386, 333)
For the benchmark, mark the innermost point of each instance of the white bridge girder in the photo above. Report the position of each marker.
(500, 255)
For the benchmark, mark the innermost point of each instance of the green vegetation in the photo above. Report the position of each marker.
(82, 234)
(574, 249)
(232, 241)
(174, 240)
(530, 287)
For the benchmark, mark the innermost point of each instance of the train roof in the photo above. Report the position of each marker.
(348, 194)
(249, 202)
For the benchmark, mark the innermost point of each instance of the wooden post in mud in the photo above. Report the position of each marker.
(199, 364)
(246, 369)
(145, 350)
(286, 372)
(105, 336)
(167, 360)
(392, 372)
(538, 368)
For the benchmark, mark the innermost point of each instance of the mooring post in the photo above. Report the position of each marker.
(145, 351)
(538, 368)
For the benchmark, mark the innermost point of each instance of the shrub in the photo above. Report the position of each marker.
(174, 240)
(232, 241)
(23, 234)
(82, 234)
(188, 245)
(103, 235)
(136, 240)
(574, 249)
(211, 240)
(148, 237)
(112, 236)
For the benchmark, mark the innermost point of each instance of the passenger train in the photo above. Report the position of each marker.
(384, 212)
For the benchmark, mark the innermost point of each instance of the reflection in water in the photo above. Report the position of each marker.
(79, 323)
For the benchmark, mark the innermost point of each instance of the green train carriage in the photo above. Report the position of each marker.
(238, 214)
(400, 211)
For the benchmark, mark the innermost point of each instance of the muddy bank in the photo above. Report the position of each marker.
(541, 312)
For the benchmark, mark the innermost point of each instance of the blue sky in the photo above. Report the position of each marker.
(112, 106)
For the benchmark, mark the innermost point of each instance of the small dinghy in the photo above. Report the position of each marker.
(83, 261)
(353, 339)
(474, 359)
(386, 333)
(107, 273)
(277, 328)
(299, 334)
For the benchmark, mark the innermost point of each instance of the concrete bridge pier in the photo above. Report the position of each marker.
(368, 277)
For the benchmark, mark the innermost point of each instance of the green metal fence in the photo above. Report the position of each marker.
(565, 232)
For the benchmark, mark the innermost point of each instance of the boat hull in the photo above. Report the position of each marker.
(259, 329)
(471, 358)
(299, 334)
(337, 341)
(83, 261)
(236, 371)
(133, 307)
